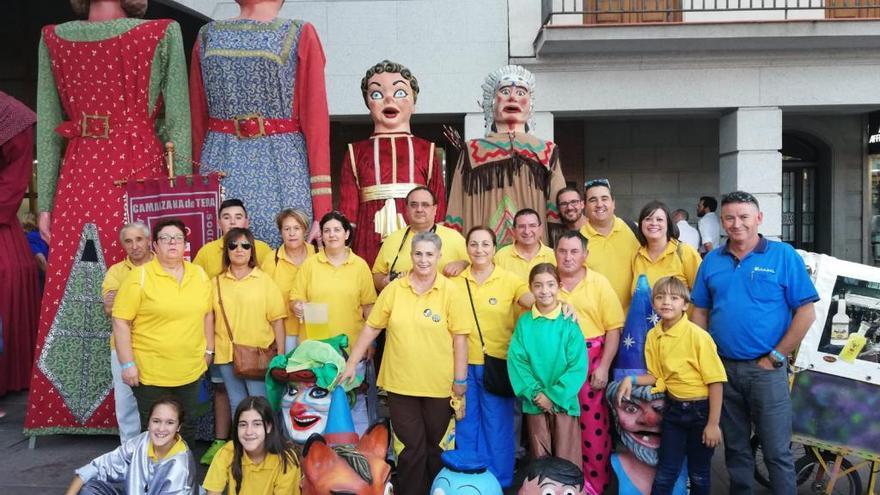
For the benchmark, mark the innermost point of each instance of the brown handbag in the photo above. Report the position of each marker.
(248, 361)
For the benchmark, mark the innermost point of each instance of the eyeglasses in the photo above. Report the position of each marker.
(566, 204)
(170, 239)
(597, 182)
(232, 246)
(423, 204)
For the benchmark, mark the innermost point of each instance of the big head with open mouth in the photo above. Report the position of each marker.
(304, 409)
(638, 420)
(390, 92)
(508, 100)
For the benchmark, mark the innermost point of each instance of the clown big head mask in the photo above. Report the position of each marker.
(637, 420)
(304, 408)
(508, 99)
(554, 476)
(390, 92)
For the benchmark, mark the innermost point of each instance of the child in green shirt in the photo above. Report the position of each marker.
(547, 362)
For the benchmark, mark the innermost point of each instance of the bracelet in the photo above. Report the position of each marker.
(460, 382)
(127, 365)
(777, 356)
(209, 351)
(632, 380)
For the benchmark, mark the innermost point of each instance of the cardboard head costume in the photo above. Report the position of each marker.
(508, 100)
(361, 470)
(303, 386)
(637, 421)
(464, 473)
(554, 476)
(390, 92)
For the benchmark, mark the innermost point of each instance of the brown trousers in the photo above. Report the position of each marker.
(419, 423)
(555, 435)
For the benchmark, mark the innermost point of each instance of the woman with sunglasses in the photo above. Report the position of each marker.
(339, 278)
(248, 305)
(164, 326)
(258, 460)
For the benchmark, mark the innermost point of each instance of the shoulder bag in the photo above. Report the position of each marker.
(496, 380)
(248, 361)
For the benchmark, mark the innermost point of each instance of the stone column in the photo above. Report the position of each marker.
(473, 125)
(749, 140)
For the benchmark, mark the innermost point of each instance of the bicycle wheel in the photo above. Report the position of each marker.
(809, 470)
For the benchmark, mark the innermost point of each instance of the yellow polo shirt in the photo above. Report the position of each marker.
(678, 259)
(493, 300)
(167, 322)
(265, 478)
(344, 288)
(453, 249)
(283, 272)
(510, 259)
(683, 359)
(418, 359)
(612, 256)
(251, 304)
(210, 256)
(596, 305)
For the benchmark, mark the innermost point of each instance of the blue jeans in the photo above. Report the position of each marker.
(753, 395)
(127, 416)
(487, 427)
(239, 388)
(683, 424)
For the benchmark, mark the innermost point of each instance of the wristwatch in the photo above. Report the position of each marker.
(776, 358)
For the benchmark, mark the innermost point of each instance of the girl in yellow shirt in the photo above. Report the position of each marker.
(258, 461)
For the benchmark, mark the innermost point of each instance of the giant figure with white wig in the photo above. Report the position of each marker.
(508, 169)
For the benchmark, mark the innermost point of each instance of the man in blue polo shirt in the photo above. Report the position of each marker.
(757, 299)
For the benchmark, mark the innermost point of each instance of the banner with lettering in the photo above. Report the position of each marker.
(192, 199)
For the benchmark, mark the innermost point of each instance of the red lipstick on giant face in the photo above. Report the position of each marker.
(300, 420)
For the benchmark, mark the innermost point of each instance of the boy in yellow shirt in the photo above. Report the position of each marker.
(683, 362)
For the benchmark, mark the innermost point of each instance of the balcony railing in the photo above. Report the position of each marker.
(590, 12)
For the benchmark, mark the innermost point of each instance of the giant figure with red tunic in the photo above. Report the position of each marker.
(378, 173)
(259, 108)
(110, 91)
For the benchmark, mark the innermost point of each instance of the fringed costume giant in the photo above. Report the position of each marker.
(509, 169)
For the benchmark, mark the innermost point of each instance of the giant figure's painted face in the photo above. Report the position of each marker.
(391, 101)
(304, 410)
(512, 108)
(638, 420)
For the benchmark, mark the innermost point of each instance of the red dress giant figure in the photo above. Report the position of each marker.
(19, 289)
(111, 90)
(377, 173)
